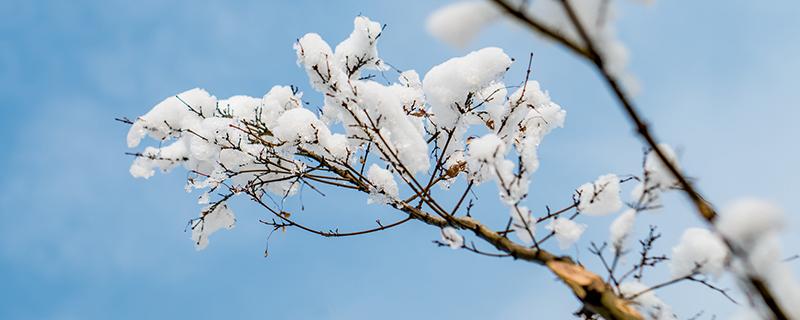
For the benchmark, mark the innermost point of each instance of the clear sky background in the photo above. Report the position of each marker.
(81, 239)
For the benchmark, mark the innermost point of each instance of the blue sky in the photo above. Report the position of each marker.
(81, 239)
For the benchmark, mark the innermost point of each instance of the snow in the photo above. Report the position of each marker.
(492, 95)
(747, 313)
(600, 197)
(384, 187)
(524, 224)
(300, 125)
(385, 107)
(451, 237)
(142, 167)
(542, 118)
(204, 198)
(530, 108)
(447, 85)
(242, 141)
(458, 23)
(482, 155)
(513, 188)
(337, 146)
(521, 122)
(647, 302)
(598, 19)
(172, 113)
(620, 229)
(657, 171)
(221, 217)
(486, 160)
(315, 55)
(486, 149)
(360, 49)
(463, 95)
(275, 102)
(698, 251)
(567, 231)
(243, 107)
(754, 226)
(657, 178)
(747, 220)
(539, 111)
(164, 158)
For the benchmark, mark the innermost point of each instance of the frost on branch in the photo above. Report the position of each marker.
(699, 251)
(317, 57)
(527, 116)
(646, 195)
(273, 145)
(567, 231)
(621, 228)
(451, 237)
(219, 217)
(384, 187)
(299, 126)
(598, 18)
(164, 158)
(165, 119)
(398, 140)
(753, 226)
(524, 224)
(657, 179)
(647, 301)
(458, 23)
(391, 104)
(484, 155)
(600, 197)
(451, 87)
(360, 49)
(749, 221)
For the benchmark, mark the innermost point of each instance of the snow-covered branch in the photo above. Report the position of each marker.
(461, 124)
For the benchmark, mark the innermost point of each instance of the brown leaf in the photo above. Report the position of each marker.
(455, 169)
(490, 124)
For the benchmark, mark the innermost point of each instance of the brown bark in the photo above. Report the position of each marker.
(596, 295)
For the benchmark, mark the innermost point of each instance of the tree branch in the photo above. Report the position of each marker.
(704, 209)
(595, 294)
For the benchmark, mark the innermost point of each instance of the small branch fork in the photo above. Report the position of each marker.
(590, 52)
(648, 260)
(330, 233)
(694, 277)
